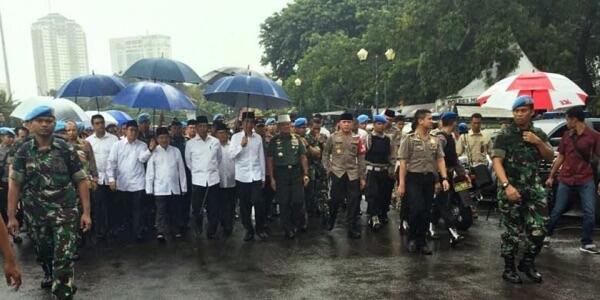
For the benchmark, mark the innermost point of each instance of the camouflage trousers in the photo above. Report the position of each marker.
(54, 245)
(529, 216)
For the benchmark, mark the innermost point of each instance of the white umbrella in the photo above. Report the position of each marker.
(108, 118)
(64, 110)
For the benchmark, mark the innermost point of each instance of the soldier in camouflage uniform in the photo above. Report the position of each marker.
(318, 186)
(516, 154)
(48, 174)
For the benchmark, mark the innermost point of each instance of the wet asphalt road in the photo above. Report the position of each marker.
(319, 265)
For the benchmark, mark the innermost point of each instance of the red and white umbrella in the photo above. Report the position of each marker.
(549, 91)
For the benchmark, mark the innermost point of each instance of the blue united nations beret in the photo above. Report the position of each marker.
(143, 118)
(300, 122)
(218, 117)
(39, 111)
(463, 128)
(362, 119)
(522, 101)
(60, 126)
(380, 119)
(449, 115)
(270, 121)
(6, 131)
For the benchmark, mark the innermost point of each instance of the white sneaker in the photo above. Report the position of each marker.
(589, 248)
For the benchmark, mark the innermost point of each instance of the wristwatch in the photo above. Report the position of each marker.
(444, 178)
(505, 185)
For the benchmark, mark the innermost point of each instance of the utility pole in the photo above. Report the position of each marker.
(8, 89)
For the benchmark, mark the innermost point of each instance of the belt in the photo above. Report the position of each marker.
(376, 169)
(289, 167)
(419, 173)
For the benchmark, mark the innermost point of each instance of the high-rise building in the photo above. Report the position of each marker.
(59, 51)
(126, 51)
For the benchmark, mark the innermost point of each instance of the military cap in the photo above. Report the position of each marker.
(283, 119)
(300, 122)
(202, 120)
(379, 119)
(161, 131)
(389, 113)
(60, 126)
(270, 121)
(39, 111)
(143, 118)
(362, 119)
(218, 117)
(6, 131)
(260, 122)
(463, 128)
(522, 101)
(346, 116)
(448, 115)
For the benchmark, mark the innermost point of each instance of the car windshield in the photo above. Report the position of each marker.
(548, 125)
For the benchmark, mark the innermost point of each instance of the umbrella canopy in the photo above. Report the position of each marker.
(115, 117)
(155, 95)
(64, 109)
(162, 69)
(549, 91)
(108, 119)
(248, 91)
(91, 86)
(214, 75)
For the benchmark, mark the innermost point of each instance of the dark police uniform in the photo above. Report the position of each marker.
(379, 162)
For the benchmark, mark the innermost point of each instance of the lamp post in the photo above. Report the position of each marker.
(363, 55)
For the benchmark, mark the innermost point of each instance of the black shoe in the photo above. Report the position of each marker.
(303, 229)
(527, 266)
(47, 280)
(412, 247)
(510, 273)
(211, 236)
(455, 238)
(179, 235)
(160, 238)
(426, 250)
(354, 234)
(249, 236)
(263, 235)
(17, 239)
(290, 235)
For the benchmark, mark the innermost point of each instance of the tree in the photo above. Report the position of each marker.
(6, 106)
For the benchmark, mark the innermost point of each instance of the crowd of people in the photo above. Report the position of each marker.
(134, 182)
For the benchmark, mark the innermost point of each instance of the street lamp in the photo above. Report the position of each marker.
(363, 55)
(298, 82)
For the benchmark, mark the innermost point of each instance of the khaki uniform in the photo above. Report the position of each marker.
(421, 155)
(344, 159)
(476, 146)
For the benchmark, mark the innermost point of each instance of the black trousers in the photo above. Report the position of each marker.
(167, 214)
(268, 196)
(290, 194)
(376, 191)
(227, 208)
(419, 196)
(250, 195)
(205, 197)
(131, 212)
(186, 204)
(388, 189)
(102, 199)
(342, 188)
(442, 208)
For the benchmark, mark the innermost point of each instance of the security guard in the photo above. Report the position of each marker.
(379, 163)
(344, 160)
(48, 174)
(516, 154)
(288, 168)
(421, 155)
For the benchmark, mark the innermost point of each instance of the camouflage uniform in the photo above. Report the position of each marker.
(317, 188)
(49, 197)
(521, 161)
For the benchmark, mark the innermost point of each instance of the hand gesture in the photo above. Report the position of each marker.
(152, 144)
(244, 141)
(530, 137)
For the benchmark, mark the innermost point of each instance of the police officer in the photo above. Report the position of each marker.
(379, 169)
(344, 160)
(517, 152)
(288, 169)
(421, 155)
(48, 174)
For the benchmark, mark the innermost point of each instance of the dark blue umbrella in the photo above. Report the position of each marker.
(155, 95)
(162, 69)
(119, 116)
(248, 91)
(91, 86)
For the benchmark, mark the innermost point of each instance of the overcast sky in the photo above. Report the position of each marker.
(205, 34)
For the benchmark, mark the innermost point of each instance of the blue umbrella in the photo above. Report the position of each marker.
(155, 95)
(248, 91)
(162, 69)
(120, 117)
(88, 86)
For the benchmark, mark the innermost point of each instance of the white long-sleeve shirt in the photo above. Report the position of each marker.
(126, 163)
(203, 158)
(227, 168)
(165, 172)
(249, 160)
(101, 147)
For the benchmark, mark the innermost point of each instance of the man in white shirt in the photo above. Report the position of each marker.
(166, 180)
(227, 184)
(203, 156)
(128, 176)
(103, 202)
(248, 154)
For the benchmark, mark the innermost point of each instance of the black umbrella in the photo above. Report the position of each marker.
(162, 69)
(214, 75)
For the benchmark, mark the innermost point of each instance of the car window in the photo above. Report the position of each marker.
(596, 126)
(559, 132)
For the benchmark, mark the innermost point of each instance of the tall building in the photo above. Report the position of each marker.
(59, 51)
(126, 51)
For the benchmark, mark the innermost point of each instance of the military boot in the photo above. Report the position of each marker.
(455, 237)
(510, 273)
(47, 280)
(527, 266)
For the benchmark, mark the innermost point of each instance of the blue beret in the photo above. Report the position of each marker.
(6, 131)
(463, 128)
(270, 121)
(218, 117)
(449, 115)
(60, 126)
(143, 118)
(39, 111)
(300, 122)
(380, 119)
(362, 119)
(522, 101)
